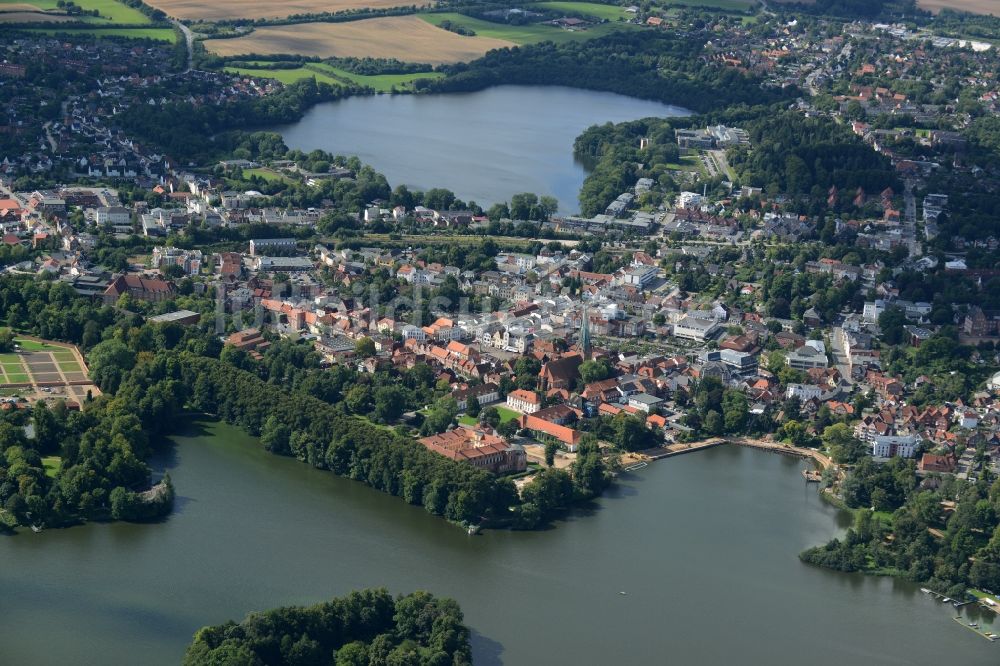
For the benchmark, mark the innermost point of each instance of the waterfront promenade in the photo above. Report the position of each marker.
(822, 460)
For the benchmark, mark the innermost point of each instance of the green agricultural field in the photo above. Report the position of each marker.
(526, 34)
(17, 379)
(10, 358)
(730, 5)
(286, 76)
(609, 12)
(336, 77)
(380, 82)
(155, 34)
(111, 11)
(69, 366)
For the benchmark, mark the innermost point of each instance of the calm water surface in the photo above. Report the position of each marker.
(704, 545)
(484, 146)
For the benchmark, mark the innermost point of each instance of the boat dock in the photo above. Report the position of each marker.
(990, 636)
(679, 449)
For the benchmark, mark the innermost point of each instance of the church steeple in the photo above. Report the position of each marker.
(585, 335)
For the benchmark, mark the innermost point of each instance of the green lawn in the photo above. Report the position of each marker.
(69, 366)
(111, 11)
(31, 345)
(526, 34)
(270, 175)
(505, 415)
(155, 34)
(609, 12)
(17, 378)
(51, 465)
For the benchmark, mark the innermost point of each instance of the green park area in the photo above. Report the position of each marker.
(33, 345)
(505, 415)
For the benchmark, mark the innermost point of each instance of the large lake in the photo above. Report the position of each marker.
(704, 545)
(484, 146)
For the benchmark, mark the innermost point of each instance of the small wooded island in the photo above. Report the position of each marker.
(364, 627)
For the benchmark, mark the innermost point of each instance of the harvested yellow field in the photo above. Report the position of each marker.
(974, 6)
(406, 38)
(254, 9)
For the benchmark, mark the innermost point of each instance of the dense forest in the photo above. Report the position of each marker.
(918, 529)
(788, 154)
(645, 64)
(806, 156)
(366, 627)
(201, 133)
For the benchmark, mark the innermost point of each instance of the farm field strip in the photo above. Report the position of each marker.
(407, 38)
(156, 34)
(609, 12)
(974, 6)
(257, 9)
(111, 11)
(525, 34)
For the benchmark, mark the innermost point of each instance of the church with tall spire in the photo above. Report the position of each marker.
(585, 334)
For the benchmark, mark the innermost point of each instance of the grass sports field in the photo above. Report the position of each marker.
(336, 76)
(526, 34)
(253, 9)
(406, 38)
(111, 11)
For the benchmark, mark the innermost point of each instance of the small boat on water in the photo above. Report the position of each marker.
(945, 600)
(36, 529)
(925, 590)
(974, 625)
(623, 593)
